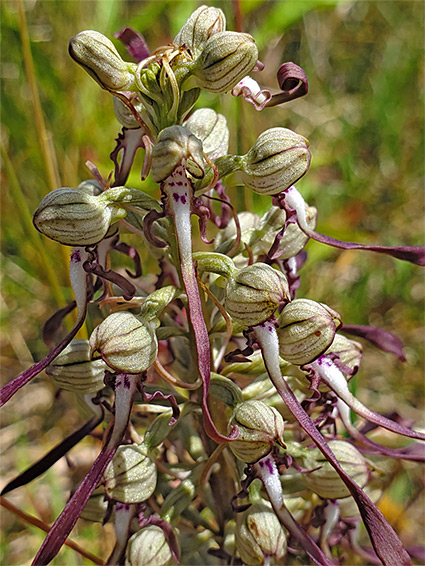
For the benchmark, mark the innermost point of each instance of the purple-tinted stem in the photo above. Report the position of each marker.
(269, 475)
(180, 195)
(385, 541)
(125, 389)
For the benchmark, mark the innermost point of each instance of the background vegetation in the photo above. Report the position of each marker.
(364, 119)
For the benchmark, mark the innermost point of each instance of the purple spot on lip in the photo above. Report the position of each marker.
(183, 199)
(122, 506)
(176, 197)
(126, 382)
(179, 183)
(76, 256)
(269, 464)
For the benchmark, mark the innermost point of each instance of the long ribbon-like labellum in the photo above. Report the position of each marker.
(385, 541)
(180, 194)
(78, 279)
(125, 389)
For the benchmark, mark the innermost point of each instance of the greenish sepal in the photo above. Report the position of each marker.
(127, 196)
(157, 301)
(226, 390)
(214, 263)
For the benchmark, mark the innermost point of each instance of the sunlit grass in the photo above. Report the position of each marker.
(363, 117)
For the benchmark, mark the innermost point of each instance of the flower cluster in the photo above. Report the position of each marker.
(219, 384)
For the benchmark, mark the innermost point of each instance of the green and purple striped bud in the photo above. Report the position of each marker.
(98, 56)
(74, 370)
(259, 535)
(306, 330)
(199, 27)
(276, 161)
(260, 426)
(254, 293)
(125, 342)
(225, 59)
(131, 475)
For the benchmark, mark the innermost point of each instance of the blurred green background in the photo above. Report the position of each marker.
(364, 117)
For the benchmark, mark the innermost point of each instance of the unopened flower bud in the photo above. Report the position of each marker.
(200, 26)
(276, 161)
(211, 128)
(75, 218)
(254, 293)
(325, 481)
(126, 343)
(148, 547)
(176, 145)
(306, 330)
(259, 535)
(227, 56)
(98, 56)
(260, 426)
(73, 369)
(131, 475)
(96, 507)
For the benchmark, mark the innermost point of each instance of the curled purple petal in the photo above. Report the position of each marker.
(159, 395)
(148, 221)
(380, 338)
(134, 42)
(129, 290)
(204, 214)
(292, 82)
(133, 254)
